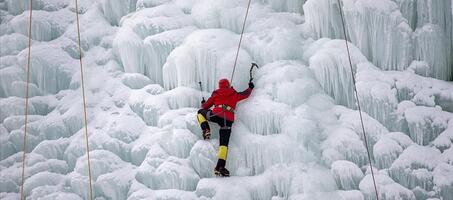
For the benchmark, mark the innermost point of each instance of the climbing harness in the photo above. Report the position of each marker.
(251, 69)
(240, 41)
(357, 98)
(84, 101)
(24, 148)
(226, 107)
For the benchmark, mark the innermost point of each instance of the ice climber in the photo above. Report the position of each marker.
(224, 100)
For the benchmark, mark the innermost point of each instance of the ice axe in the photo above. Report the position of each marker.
(201, 91)
(251, 69)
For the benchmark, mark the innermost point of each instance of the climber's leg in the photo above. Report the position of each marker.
(224, 133)
(203, 117)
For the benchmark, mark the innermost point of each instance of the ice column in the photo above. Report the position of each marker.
(380, 32)
(430, 46)
(323, 17)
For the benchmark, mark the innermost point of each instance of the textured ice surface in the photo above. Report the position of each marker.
(329, 62)
(299, 134)
(390, 33)
(346, 174)
(389, 147)
(203, 58)
(426, 123)
(387, 188)
(430, 47)
(323, 18)
(414, 167)
(386, 96)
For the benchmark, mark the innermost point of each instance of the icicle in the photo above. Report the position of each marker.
(323, 17)
(128, 46)
(381, 32)
(426, 123)
(51, 68)
(157, 49)
(45, 26)
(431, 47)
(347, 175)
(414, 167)
(15, 42)
(377, 96)
(206, 56)
(409, 11)
(385, 151)
(344, 144)
(115, 9)
(443, 180)
(387, 188)
(331, 67)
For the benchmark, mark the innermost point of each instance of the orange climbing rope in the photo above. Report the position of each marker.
(84, 101)
(240, 41)
(24, 148)
(357, 98)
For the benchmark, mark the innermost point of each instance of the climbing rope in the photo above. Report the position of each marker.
(357, 98)
(84, 101)
(240, 41)
(24, 148)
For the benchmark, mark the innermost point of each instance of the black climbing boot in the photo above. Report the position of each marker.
(206, 134)
(223, 172)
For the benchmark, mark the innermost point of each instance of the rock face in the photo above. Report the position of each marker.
(298, 136)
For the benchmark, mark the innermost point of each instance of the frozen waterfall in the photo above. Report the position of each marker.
(298, 136)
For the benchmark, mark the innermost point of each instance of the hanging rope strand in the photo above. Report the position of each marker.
(240, 41)
(357, 98)
(24, 148)
(84, 102)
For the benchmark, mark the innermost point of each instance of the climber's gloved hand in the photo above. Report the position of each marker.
(203, 101)
(251, 85)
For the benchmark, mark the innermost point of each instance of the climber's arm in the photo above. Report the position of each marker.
(246, 93)
(209, 102)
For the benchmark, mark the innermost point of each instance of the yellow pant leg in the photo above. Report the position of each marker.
(223, 151)
(201, 118)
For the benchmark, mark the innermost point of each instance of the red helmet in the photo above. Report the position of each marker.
(224, 83)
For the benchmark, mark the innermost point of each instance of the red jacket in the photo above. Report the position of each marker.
(228, 96)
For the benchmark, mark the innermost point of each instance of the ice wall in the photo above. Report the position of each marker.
(46, 26)
(425, 123)
(285, 6)
(329, 62)
(389, 147)
(51, 69)
(429, 18)
(346, 174)
(386, 96)
(282, 39)
(323, 18)
(15, 41)
(389, 33)
(17, 7)
(387, 188)
(206, 56)
(143, 60)
(377, 94)
(129, 47)
(140, 47)
(380, 32)
(431, 46)
(224, 14)
(158, 47)
(114, 10)
(414, 167)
